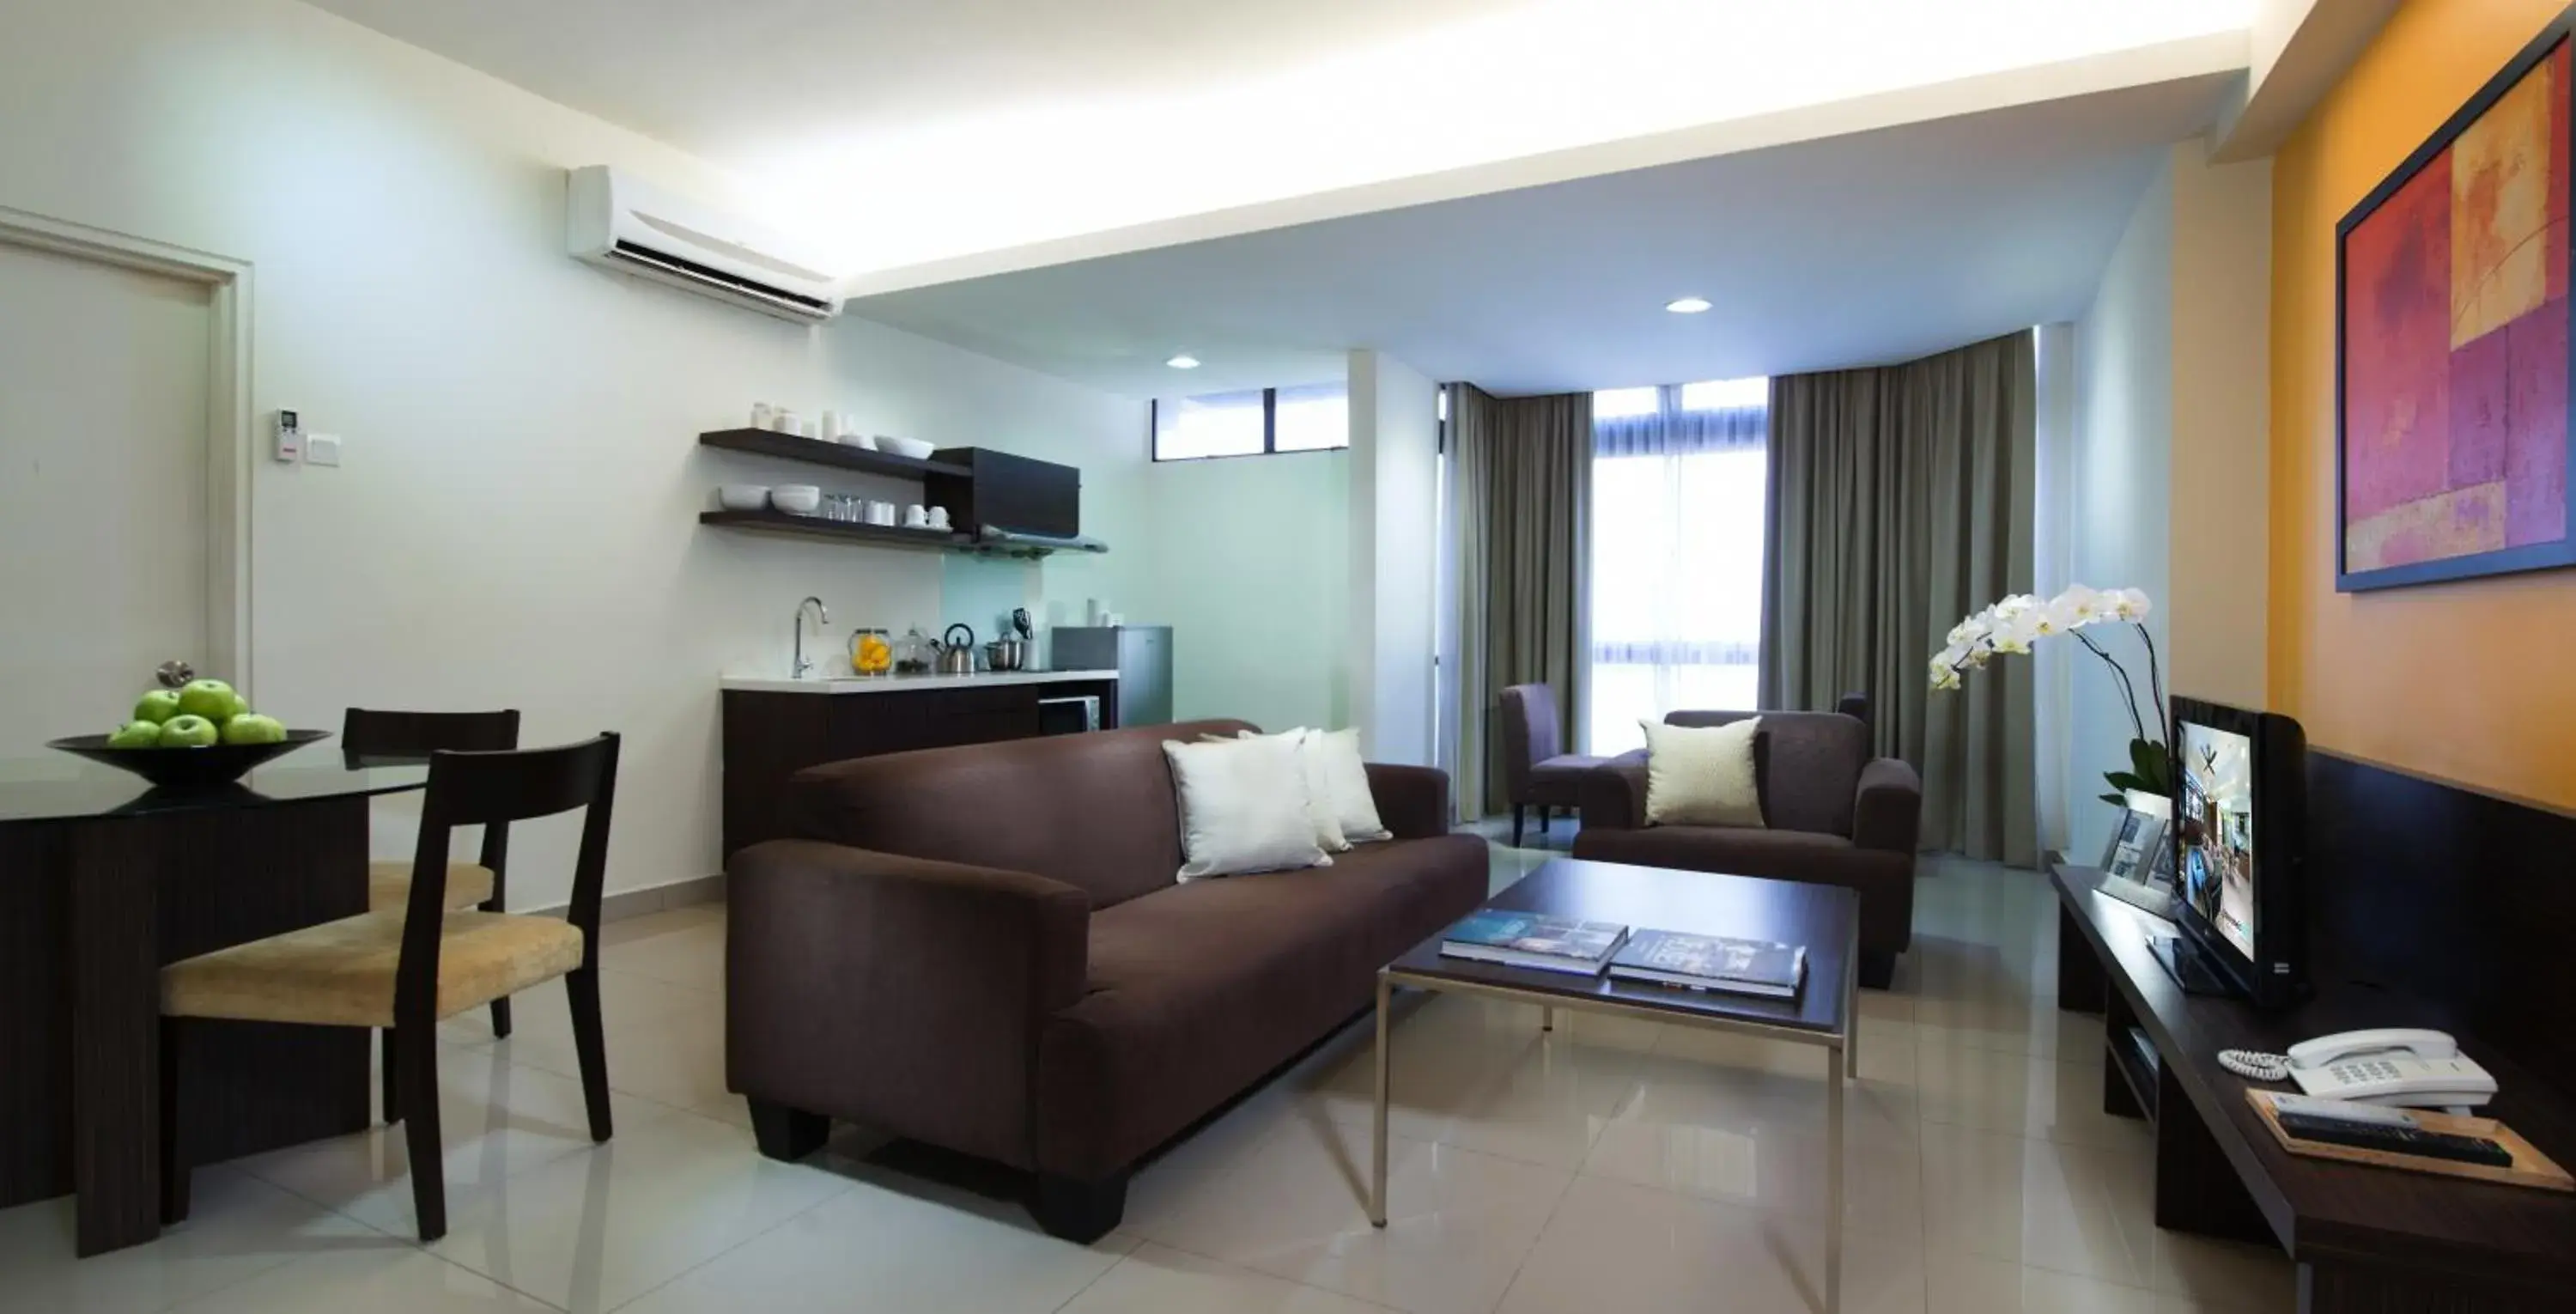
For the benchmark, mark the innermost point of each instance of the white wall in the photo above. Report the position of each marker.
(2170, 468)
(2053, 568)
(2121, 469)
(515, 522)
(1394, 526)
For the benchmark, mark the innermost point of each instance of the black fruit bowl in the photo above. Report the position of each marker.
(183, 768)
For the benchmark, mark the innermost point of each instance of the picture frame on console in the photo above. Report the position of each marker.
(2135, 842)
(2453, 444)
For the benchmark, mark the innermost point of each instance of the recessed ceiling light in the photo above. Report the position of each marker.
(1183, 362)
(1687, 305)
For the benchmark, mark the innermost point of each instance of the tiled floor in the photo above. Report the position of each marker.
(1607, 1167)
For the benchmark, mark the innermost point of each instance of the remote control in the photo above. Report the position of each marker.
(2398, 1140)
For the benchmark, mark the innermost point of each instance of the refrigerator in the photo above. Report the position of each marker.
(1142, 656)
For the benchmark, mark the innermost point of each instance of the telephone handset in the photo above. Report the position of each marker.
(2397, 1066)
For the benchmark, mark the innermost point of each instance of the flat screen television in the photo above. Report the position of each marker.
(2239, 837)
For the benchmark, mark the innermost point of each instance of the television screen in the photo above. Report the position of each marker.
(2215, 832)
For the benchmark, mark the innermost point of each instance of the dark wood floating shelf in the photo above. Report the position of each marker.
(815, 451)
(779, 522)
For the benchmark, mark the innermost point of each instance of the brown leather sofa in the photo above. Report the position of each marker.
(983, 949)
(1837, 817)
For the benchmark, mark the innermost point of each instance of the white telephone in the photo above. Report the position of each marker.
(2420, 1069)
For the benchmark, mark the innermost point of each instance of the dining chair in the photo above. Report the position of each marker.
(483, 884)
(400, 970)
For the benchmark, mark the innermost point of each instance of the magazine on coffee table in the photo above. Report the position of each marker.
(1521, 939)
(1713, 962)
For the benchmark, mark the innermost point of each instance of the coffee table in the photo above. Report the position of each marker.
(1824, 918)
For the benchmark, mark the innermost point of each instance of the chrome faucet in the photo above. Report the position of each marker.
(821, 618)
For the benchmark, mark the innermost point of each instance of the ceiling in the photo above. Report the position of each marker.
(922, 140)
(1864, 248)
(689, 73)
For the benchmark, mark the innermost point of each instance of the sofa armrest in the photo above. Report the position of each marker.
(1888, 814)
(1413, 801)
(1614, 793)
(900, 991)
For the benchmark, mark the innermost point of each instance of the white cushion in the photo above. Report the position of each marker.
(1702, 775)
(1243, 807)
(1345, 775)
(1319, 801)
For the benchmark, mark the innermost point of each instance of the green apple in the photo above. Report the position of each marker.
(187, 730)
(157, 706)
(253, 728)
(136, 734)
(211, 699)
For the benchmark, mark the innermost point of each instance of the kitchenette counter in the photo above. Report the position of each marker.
(847, 684)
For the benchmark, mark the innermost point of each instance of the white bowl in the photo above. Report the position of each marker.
(912, 447)
(859, 440)
(797, 499)
(742, 497)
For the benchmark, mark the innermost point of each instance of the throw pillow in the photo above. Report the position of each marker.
(1702, 775)
(1243, 807)
(1319, 799)
(1346, 778)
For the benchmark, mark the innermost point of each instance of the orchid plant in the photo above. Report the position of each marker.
(2017, 622)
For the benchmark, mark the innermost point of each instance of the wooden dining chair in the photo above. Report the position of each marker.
(483, 884)
(401, 970)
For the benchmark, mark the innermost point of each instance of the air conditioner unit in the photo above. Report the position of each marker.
(614, 220)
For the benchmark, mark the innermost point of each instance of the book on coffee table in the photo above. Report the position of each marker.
(1520, 939)
(1712, 962)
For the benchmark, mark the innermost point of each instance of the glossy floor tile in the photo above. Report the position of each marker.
(1606, 1165)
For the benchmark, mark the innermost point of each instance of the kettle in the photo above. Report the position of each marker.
(957, 657)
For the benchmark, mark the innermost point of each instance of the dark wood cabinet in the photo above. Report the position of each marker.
(769, 737)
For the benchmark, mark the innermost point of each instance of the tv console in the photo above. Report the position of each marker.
(2364, 1238)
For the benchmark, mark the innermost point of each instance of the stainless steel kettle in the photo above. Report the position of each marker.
(957, 656)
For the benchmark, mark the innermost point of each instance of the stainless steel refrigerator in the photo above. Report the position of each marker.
(1142, 656)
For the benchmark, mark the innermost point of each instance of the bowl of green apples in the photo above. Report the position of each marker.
(201, 733)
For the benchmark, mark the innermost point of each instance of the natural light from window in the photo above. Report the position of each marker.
(1678, 485)
(1307, 417)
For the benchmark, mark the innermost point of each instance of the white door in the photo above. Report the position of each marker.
(103, 515)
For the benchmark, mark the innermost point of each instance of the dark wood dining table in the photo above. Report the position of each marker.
(104, 879)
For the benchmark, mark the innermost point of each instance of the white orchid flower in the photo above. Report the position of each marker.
(2130, 605)
(2083, 605)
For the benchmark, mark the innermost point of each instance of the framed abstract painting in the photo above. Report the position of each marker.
(2452, 362)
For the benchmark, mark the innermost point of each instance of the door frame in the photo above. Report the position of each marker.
(229, 449)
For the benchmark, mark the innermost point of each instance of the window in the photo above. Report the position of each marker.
(1311, 417)
(1678, 479)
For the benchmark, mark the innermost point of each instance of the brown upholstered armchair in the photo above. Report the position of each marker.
(1537, 771)
(1836, 816)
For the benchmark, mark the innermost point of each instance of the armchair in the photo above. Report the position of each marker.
(1835, 816)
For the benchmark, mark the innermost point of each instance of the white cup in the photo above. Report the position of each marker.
(939, 517)
(881, 513)
(785, 421)
(831, 430)
(916, 517)
(763, 415)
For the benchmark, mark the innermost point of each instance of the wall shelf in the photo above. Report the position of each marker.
(844, 531)
(815, 451)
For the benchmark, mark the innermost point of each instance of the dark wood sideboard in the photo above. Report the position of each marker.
(2428, 905)
(771, 736)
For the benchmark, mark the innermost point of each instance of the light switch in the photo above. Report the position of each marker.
(322, 449)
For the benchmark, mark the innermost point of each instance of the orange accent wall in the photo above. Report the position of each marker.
(2474, 681)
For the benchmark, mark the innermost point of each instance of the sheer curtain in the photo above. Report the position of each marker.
(1678, 477)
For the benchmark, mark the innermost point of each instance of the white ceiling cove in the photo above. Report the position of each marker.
(1870, 247)
(929, 139)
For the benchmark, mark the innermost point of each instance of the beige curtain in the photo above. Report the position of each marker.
(1900, 501)
(1522, 485)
